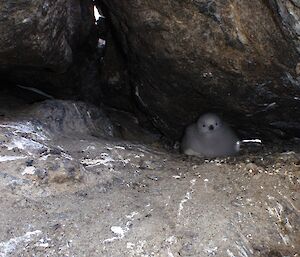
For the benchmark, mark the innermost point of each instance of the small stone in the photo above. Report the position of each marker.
(64, 171)
(29, 163)
(252, 168)
(298, 68)
(41, 174)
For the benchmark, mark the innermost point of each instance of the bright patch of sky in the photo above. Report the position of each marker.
(96, 13)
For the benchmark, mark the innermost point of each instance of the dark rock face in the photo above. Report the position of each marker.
(288, 18)
(236, 58)
(114, 78)
(49, 45)
(171, 60)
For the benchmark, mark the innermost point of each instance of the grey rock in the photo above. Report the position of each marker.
(185, 58)
(39, 34)
(72, 117)
(51, 46)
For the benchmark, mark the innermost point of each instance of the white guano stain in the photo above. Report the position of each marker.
(120, 147)
(170, 254)
(278, 213)
(121, 231)
(29, 170)
(170, 241)
(211, 250)
(67, 156)
(7, 158)
(230, 253)
(131, 215)
(188, 196)
(177, 176)
(242, 249)
(137, 249)
(8, 247)
(89, 147)
(23, 143)
(24, 136)
(26, 128)
(257, 141)
(105, 160)
(43, 242)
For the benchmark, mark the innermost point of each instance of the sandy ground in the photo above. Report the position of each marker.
(65, 192)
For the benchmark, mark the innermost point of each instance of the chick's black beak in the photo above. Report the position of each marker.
(211, 127)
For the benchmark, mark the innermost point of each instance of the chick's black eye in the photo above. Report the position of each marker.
(216, 124)
(203, 125)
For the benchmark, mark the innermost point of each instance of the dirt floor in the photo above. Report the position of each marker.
(66, 192)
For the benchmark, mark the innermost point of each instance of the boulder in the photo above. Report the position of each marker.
(50, 45)
(236, 58)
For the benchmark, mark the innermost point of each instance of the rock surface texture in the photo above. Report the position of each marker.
(49, 45)
(70, 187)
(238, 58)
(67, 193)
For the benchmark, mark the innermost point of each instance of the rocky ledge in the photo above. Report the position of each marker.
(68, 193)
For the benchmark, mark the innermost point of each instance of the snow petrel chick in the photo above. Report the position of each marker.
(209, 137)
